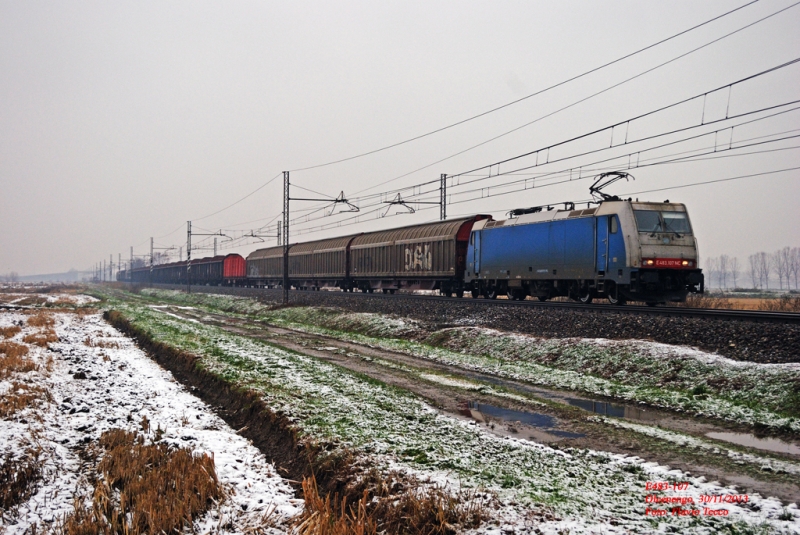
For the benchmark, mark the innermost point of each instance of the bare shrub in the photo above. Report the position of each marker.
(42, 338)
(786, 303)
(8, 332)
(12, 359)
(146, 488)
(41, 319)
(706, 301)
(19, 478)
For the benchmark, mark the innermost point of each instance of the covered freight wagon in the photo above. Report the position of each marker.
(419, 257)
(265, 267)
(320, 264)
(218, 270)
(212, 271)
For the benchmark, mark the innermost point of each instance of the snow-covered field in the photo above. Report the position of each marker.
(94, 379)
(582, 491)
(683, 379)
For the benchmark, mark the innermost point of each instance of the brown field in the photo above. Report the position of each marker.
(785, 303)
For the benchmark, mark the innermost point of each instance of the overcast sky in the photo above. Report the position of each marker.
(122, 120)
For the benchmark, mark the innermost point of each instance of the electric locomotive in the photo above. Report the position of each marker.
(622, 250)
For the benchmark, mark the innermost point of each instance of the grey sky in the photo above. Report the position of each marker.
(122, 120)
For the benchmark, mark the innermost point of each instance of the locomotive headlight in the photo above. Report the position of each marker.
(686, 263)
(649, 262)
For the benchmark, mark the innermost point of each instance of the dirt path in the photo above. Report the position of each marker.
(546, 418)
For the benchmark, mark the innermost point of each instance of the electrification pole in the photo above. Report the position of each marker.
(215, 247)
(151, 262)
(443, 198)
(286, 237)
(188, 256)
(130, 268)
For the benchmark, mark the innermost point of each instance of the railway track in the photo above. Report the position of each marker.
(665, 311)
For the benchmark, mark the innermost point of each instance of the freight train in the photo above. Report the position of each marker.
(621, 250)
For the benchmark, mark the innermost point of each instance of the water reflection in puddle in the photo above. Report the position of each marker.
(481, 412)
(598, 407)
(634, 413)
(751, 441)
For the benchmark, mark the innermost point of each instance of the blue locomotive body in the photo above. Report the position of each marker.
(582, 254)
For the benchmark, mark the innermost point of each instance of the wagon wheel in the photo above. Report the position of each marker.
(585, 295)
(491, 293)
(615, 298)
(459, 293)
(475, 293)
(515, 295)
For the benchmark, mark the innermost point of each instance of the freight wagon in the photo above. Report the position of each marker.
(228, 270)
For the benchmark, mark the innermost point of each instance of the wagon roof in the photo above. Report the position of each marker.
(182, 263)
(267, 252)
(447, 230)
(329, 244)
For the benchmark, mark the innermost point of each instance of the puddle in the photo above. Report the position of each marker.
(617, 410)
(751, 441)
(489, 414)
(628, 412)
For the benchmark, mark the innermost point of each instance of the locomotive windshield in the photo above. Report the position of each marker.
(654, 221)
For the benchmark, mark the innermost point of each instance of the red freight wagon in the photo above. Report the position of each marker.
(234, 269)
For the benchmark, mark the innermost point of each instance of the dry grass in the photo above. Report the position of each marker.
(42, 338)
(706, 301)
(89, 341)
(8, 332)
(20, 396)
(786, 303)
(145, 488)
(19, 478)
(32, 301)
(13, 359)
(41, 319)
(391, 503)
(320, 517)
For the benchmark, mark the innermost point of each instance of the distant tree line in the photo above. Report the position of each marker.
(11, 276)
(727, 272)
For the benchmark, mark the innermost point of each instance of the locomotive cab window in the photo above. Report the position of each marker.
(648, 221)
(613, 224)
(653, 221)
(676, 222)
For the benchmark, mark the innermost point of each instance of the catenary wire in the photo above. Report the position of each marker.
(539, 92)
